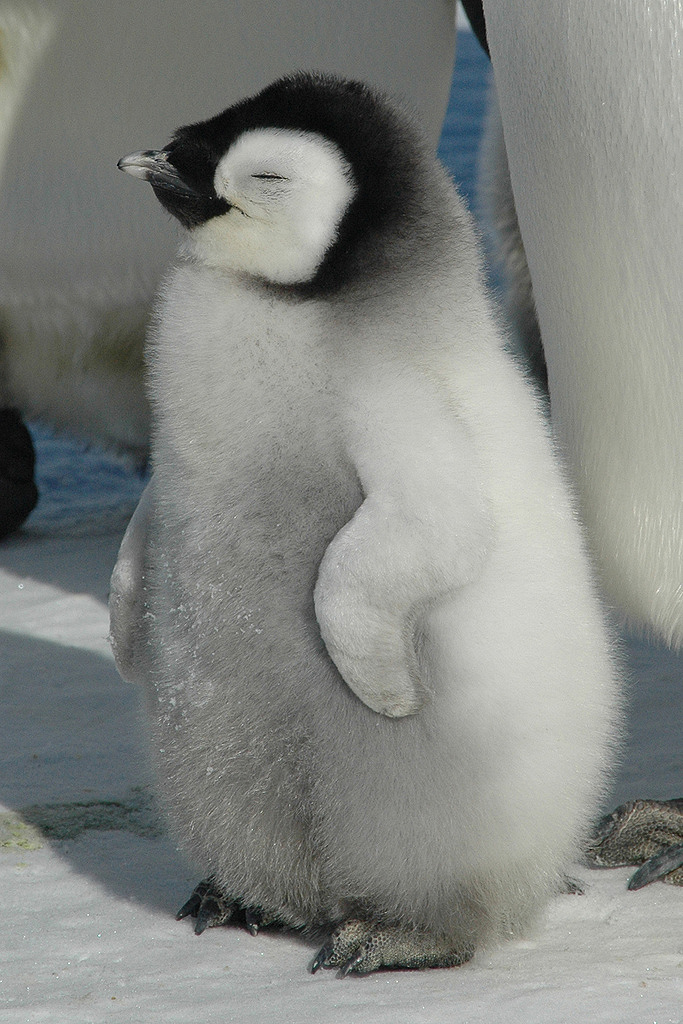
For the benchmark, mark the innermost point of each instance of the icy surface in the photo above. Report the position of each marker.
(90, 885)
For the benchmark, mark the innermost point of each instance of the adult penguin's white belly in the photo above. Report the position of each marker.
(591, 98)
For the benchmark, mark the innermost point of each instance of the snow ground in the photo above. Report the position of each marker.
(90, 883)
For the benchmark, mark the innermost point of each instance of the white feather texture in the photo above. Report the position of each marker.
(24, 33)
(288, 191)
(591, 98)
(377, 674)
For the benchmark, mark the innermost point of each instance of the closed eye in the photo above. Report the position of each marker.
(270, 177)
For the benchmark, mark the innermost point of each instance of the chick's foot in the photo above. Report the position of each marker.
(361, 947)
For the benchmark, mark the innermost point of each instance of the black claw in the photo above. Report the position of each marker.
(193, 905)
(207, 913)
(208, 906)
(213, 911)
(189, 909)
(350, 965)
(320, 959)
(253, 920)
(353, 963)
(656, 867)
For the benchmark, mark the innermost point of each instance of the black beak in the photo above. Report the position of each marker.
(153, 166)
(190, 205)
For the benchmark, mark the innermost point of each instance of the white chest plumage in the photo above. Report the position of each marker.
(230, 355)
(248, 438)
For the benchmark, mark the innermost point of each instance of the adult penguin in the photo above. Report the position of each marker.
(591, 99)
(583, 193)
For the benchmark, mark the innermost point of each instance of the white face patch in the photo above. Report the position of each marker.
(288, 191)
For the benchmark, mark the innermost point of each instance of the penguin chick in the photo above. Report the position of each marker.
(380, 689)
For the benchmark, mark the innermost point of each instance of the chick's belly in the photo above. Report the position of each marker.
(240, 674)
(234, 567)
